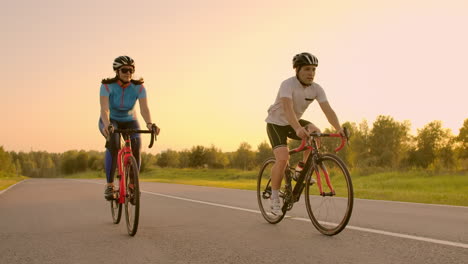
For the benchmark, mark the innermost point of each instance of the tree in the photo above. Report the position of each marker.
(172, 158)
(81, 161)
(28, 166)
(6, 162)
(244, 158)
(387, 142)
(18, 168)
(197, 157)
(358, 152)
(95, 160)
(430, 141)
(264, 152)
(184, 158)
(168, 158)
(147, 160)
(68, 162)
(216, 158)
(462, 139)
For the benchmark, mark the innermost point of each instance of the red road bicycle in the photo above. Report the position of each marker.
(329, 203)
(128, 191)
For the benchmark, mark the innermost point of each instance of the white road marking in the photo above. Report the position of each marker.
(425, 239)
(369, 230)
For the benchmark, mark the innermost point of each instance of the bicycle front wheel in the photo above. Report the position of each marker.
(116, 209)
(132, 199)
(264, 192)
(330, 210)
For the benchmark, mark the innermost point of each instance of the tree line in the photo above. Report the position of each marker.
(387, 145)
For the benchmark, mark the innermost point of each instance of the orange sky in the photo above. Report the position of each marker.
(212, 68)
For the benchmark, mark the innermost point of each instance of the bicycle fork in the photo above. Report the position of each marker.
(122, 159)
(327, 180)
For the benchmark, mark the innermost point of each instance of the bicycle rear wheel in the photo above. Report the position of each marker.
(329, 211)
(132, 201)
(264, 192)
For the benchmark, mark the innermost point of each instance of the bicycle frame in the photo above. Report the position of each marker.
(312, 145)
(125, 153)
(122, 159)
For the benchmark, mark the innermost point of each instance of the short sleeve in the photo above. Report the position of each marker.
(286, 90)
(141, 91)
(321, 96)
(104, 90)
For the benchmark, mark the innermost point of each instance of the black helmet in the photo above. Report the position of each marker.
(123, 60)
(303, 59)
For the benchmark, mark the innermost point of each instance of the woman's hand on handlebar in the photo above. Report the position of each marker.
(108, 130)
(156, 128)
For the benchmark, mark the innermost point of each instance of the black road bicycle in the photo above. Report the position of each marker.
(328, 197)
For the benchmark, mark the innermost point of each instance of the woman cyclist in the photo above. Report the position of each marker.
(118, 97)
(284, 117)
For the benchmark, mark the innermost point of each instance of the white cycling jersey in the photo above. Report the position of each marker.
(301, 97)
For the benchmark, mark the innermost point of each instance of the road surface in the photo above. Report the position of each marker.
(68, 221)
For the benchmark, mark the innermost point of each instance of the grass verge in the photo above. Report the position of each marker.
(405, 186)
(6, 182)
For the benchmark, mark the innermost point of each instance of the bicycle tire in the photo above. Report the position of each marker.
(264, 192)
(330, 214)
(116, 210)
(132, 201)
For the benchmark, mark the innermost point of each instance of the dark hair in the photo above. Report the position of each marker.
(115, 79)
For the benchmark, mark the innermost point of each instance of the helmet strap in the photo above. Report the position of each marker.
(303, 84)
(297, 76)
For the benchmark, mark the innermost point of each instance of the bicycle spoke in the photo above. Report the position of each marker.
(330, 213)
(264, 192)
(116, 207)
(132, 201)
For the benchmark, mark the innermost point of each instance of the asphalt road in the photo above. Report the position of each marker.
(68, 221)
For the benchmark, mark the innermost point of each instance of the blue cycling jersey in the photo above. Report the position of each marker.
(122, 99)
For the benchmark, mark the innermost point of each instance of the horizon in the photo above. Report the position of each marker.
(254, 146)
(213, 68)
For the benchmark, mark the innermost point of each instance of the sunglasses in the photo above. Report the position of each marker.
(126, 70)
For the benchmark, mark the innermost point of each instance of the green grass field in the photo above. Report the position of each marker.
(8, 180)
(225, 178)
(410, 186)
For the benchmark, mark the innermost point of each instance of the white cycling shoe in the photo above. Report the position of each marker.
(275, 206)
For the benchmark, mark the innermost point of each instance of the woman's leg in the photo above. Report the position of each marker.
(112, 147)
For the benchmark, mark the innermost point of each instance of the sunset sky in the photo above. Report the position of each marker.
(212, 67)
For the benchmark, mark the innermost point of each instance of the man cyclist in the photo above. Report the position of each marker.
(284, 117)
(118, 97)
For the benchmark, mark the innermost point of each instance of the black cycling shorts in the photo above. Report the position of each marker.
(279, 135)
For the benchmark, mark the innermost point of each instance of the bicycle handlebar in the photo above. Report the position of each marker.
(130, 131)
(344, 139)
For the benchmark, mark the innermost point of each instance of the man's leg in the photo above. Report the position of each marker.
(277, 174)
